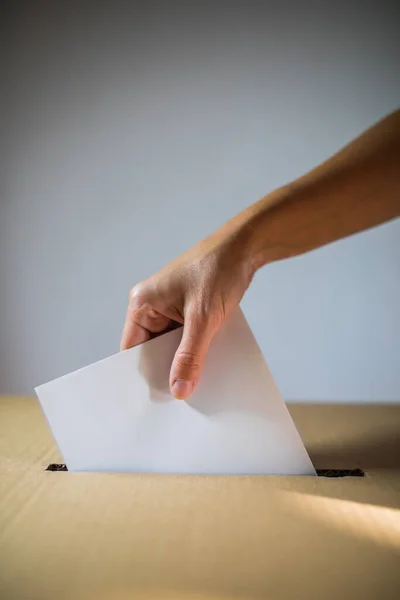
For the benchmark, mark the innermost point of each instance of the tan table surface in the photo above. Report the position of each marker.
(120, 536)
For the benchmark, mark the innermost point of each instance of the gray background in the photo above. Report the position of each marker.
(131, 130)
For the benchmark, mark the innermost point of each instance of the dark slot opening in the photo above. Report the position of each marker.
(320, 472)
(340, 473)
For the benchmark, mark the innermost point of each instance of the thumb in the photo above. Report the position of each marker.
(189, 358)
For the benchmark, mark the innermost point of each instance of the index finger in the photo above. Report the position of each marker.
(133, 334)
(141, 323)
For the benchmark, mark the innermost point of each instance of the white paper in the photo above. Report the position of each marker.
(118, 414)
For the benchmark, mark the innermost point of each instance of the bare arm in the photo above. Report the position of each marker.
(357, 188)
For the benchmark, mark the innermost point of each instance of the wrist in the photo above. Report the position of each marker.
(256, 229)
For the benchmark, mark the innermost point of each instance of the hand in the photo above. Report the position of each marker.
(199, 289)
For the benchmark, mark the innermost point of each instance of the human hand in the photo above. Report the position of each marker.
(200, 289)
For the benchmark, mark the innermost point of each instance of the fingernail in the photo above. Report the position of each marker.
(182, 389)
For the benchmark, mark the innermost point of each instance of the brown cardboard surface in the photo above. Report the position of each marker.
(128, 536)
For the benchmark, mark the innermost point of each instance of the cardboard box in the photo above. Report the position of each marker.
(127, 536)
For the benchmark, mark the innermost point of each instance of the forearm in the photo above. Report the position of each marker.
(357, 188)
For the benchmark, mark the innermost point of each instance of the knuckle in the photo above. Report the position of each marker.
(137, 296)
(141, 306)
(187, 359)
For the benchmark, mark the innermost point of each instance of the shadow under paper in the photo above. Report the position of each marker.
(155, 367)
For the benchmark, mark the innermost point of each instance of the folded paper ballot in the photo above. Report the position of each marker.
(118, 414)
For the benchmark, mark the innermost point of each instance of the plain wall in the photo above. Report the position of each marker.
(133, 129)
